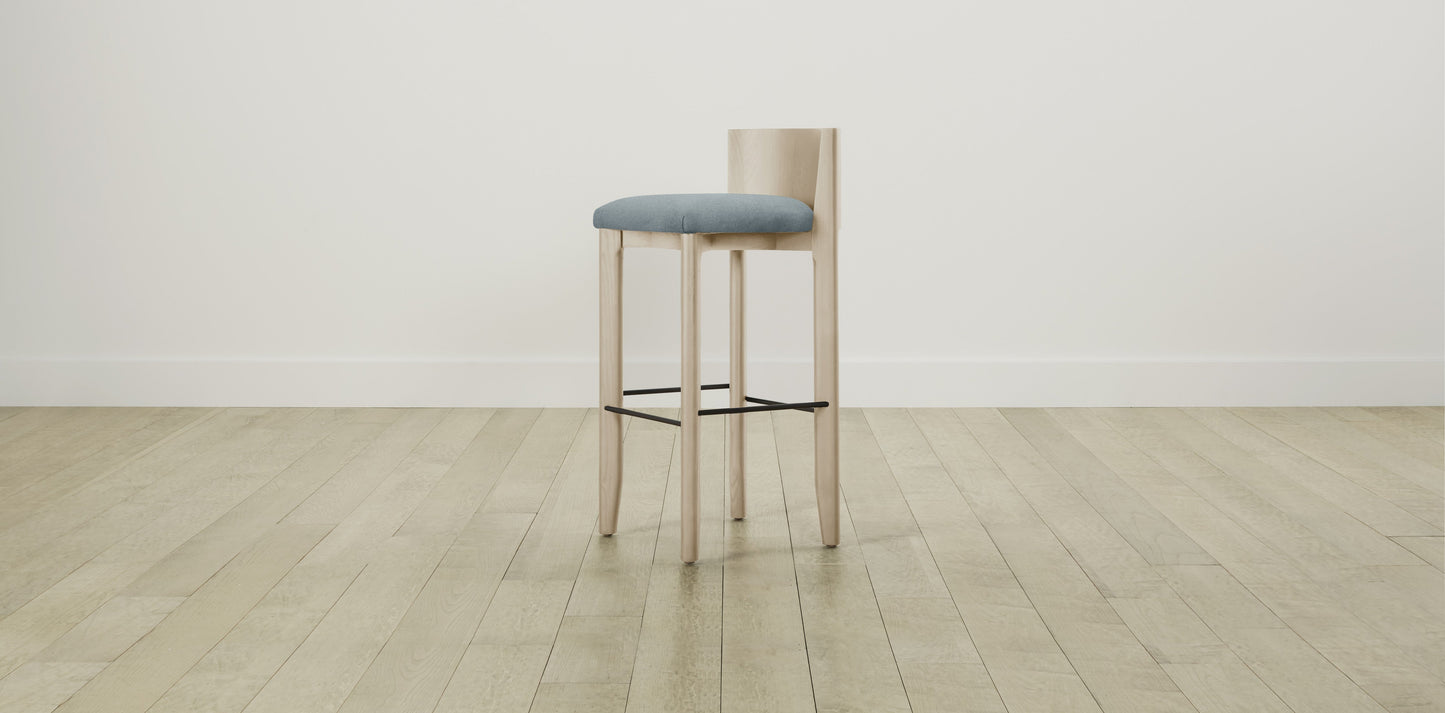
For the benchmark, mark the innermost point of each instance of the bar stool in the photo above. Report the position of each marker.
(782, 195)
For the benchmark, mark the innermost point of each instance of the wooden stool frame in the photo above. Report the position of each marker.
(798, 163)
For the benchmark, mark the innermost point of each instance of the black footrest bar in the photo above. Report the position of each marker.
(766, 406)
(808, 406)
(639, 414)
(671, 390)
(800, 407)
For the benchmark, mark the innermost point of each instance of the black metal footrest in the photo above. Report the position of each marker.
(801, 407)
(640, 414)
(770, 406)
(763, 404)
(673, 389)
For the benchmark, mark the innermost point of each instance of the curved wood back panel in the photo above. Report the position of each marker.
(798, 163)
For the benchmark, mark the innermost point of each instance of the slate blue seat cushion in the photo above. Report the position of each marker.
(706, 213)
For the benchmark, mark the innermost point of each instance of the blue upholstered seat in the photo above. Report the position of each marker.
(706, 213)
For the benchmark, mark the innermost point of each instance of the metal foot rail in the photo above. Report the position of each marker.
(764, 404)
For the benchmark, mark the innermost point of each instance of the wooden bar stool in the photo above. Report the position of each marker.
(782, 195)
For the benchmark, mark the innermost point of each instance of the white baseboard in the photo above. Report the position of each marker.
(65, 382)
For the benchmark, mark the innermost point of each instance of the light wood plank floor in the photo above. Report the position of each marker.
(1024, 560)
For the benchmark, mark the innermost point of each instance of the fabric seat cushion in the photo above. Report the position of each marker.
(706, 213)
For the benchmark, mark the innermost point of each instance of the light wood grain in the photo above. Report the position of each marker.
(793, 436)
(615, 571)
(339, 497)
(1341, 611)
(322, 671)
(1426, 422)
(936, 654)
(39, 687)
(776, 162)
(525, 467)
(1399, 436)
(39, 458)
(189, 566)
(797, 163)
(1410, 495)
(1395, 459)
(52, 545)
(678, 666)
(852, 668)
(764, 651)
(1146, 530)
(24, 421)
(113, 628)
(609, 474)
(1119, 671)
(1327, 521)
(504, 662)
(71, 597)
(580, 698)
(167, 424)
(448, 560)
(1028, 667)
(737, 380)
(554, 547)
(825, 334)
(1429, 549)
(232, 672)
(66, 513)
(1308, 546)
(593, 649)
(825, 385)
(1349, 496)
(412, 669)
(146, 670)
(691, 396)
(493, 678)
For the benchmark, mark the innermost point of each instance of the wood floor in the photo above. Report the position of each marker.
(1024, 560)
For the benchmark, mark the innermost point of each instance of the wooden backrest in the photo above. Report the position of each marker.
(798, 163)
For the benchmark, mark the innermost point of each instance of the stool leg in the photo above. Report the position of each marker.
(609, 468)
(737, 485)
(691, 396)
(825, 386)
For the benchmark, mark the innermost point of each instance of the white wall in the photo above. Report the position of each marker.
(1043, 202)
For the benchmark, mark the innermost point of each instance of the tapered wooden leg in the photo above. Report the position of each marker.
(691, 396)
(825, 386)
(737, 484)
(609, 469)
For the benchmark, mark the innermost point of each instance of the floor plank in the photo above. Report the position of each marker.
(412, 669)
(1430, 549)
(1019, 651)
(40, 456)
(678, 664)
(1346, 494)
(115, 498)
(1118, 670)
(146, 670)
(322, 671)
(503, 664)
(252, 559)
(1325, 519)
(1419, 500)
(765, 654)
(74, 592)
(230, 675)
(1393, 458)
(1397, 435)
(1150, 533)
(156, 432)
(38, 687)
